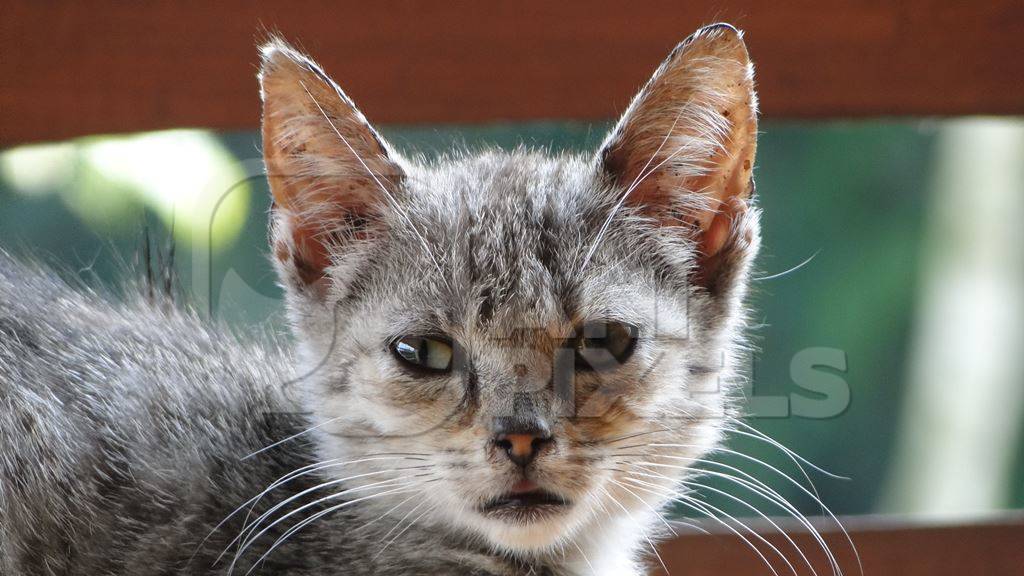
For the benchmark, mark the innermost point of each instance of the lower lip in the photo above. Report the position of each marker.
(522, 507)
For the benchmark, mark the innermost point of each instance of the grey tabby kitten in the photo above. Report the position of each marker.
(507, 360)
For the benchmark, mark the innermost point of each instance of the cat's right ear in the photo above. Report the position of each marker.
(683, 153)
(330, 172)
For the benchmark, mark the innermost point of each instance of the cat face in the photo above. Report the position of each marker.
(525, 346)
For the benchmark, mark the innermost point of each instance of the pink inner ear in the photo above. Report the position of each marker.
(310, 256)
(306, 244)
(718, 230)
(715, 234)
(731, 184)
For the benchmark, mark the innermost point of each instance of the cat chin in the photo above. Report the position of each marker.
(532, 537)
(607, 544)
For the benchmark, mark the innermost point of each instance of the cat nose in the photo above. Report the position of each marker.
(521, 441)
(522, 448)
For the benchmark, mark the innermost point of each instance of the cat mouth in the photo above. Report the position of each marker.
(525, 505)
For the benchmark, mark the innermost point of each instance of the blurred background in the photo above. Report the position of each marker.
(910, 295)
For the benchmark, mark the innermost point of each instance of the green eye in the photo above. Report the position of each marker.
(423, 353)
(604, 345)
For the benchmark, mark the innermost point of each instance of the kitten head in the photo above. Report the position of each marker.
(526, 345)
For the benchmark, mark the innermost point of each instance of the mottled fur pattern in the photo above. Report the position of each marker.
(124, 429)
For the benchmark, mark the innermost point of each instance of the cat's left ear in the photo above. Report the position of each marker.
(684, 149)
(330, 172)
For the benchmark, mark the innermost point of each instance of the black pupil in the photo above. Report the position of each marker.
(604, 346)
(417, 351)
(412, 350)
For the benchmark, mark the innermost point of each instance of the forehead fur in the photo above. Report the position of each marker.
(504, 235)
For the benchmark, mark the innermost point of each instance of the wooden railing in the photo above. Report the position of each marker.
(887, 546)
(76, 68)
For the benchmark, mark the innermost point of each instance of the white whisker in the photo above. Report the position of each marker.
(791, 270)
(584, 555)
(655, 475)
(290, 438)
(294, 474)
(762, 489)
(388, 512)
(644, 502)
(406, 529)
(301, 525)
(639, 527)
(796, 458)
(249, 527)
(758, 435)
(249, 541)
(765, 517)
(248, 534)
(413, 487)
(700, 507)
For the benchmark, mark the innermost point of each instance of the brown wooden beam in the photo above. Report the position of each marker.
(887, 546)
(76, 68)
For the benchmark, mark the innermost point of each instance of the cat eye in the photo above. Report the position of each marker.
(604, 345)
(423, 353)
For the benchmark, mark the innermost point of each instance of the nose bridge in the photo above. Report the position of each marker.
(516, 369)
(525, 415)
(516, 381)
